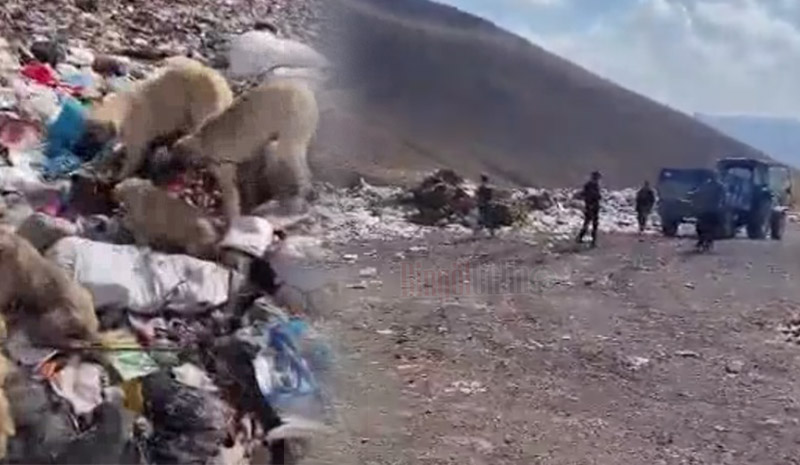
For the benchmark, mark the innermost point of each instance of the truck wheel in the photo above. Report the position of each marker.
(757, 227)
(777, 225)
(670, 228)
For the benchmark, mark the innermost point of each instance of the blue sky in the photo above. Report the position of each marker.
(713, 56)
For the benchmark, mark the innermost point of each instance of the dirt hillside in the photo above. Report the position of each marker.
(441, 87)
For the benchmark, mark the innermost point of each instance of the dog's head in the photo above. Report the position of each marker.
(102, 122)
(187, 152)
(97, 134)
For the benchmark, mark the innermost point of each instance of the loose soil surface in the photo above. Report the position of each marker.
(637, 352)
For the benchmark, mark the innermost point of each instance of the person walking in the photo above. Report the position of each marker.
(645, 200)
(591, 196)
(485, 194)
(707, 200)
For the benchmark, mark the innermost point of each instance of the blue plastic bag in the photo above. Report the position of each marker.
(68, 128)
(283, 375)
(63, 135)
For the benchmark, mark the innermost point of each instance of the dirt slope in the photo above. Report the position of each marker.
(445, 88)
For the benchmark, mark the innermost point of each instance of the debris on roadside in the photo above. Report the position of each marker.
(444, 200)
(465, 387)
(687, 354)
(734, 366)
(368, 272)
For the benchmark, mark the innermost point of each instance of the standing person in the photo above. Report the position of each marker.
(707, 200)
(591, 207)
(485, 193)
(645, 200)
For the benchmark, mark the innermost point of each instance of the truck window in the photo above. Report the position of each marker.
(779, 179)
(739, 173)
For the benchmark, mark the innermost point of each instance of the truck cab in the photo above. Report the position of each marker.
(758, 196)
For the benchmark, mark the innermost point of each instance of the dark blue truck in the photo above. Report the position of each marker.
(757, 197)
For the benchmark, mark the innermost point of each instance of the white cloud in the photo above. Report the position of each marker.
(725, 56)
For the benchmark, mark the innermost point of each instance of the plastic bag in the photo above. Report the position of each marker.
(141, 280)
(249, 234)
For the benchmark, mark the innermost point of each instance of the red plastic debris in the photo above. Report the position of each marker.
(15, 133)
(45, 75)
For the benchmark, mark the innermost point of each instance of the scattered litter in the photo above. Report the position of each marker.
(17, 134)
(297, 428)
(127, 358)
(687, 354)
(407, 367)
(465, 387)
(385, 332)
(141, 280)
(480, 445)
(368, 272)
(80, 57)
(734, 366)
(283, 376)
(249, 234)
(81, 384)
(190, 375)
(636, 363)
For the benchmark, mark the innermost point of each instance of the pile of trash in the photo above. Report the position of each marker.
(159, 28)
(441, 198)
(118, 353)
(385, 213)
(444, 197)
(557, 212)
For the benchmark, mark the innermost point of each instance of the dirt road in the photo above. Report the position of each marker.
(634, 353)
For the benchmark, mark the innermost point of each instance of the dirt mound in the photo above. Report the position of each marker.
(444, 89)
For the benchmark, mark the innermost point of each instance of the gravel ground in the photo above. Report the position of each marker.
(637, 352)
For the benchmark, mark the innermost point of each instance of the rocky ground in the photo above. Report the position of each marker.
(637, 352)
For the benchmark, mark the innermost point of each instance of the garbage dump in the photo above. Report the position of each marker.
(445, 197)
(117, 349)
(378, 213)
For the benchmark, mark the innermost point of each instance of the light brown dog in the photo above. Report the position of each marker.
(7, 427)
(54, 306)
(156, 218)
(178, 99)
(276, 120)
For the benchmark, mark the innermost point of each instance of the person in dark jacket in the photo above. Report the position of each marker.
(591, 210)
(645, 200)
(707, 201)
(484, 194)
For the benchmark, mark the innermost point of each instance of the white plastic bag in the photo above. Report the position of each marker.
(141, 280)
(249, 234)
(81, 384)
